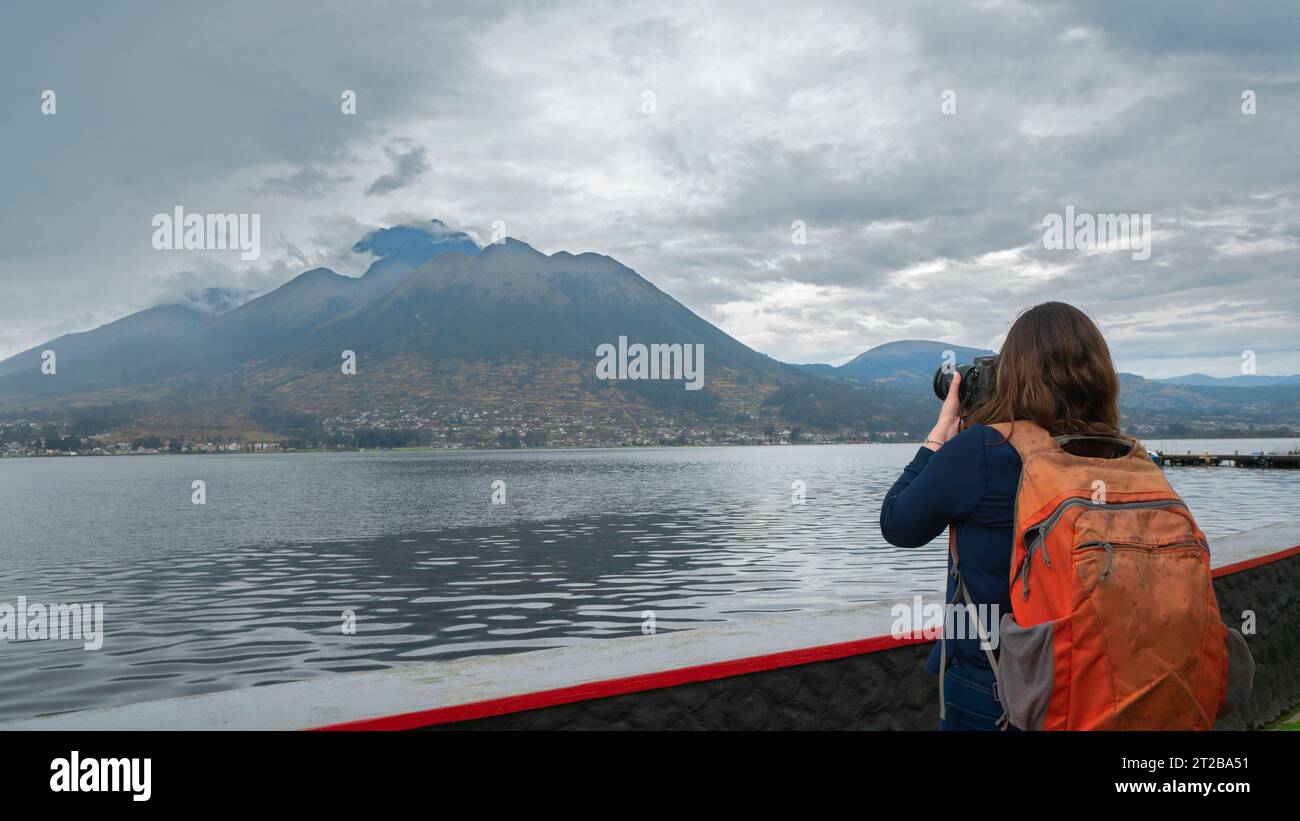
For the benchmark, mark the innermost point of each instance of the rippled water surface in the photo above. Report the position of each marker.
(251, 588)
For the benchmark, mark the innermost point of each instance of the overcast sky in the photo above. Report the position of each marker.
(919, 224)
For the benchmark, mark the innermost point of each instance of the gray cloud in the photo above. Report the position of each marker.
(918, 224)
(408, 166)
(308, 182)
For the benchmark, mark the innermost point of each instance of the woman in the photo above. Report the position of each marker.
(1054, 369)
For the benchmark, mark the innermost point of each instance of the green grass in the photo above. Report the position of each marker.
(1290, 720)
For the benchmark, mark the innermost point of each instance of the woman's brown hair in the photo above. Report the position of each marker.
(1054, 369)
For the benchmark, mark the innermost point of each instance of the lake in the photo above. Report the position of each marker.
(251, 588)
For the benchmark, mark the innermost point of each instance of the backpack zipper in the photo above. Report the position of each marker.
(1110, 548)
(1110, 555)
(1044, 528)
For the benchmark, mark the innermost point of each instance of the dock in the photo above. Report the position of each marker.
(1239, 460)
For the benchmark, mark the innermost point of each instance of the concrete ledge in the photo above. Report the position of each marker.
(832, 669)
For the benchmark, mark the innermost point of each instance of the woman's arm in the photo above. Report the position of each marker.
(935, 489)
(943, 483)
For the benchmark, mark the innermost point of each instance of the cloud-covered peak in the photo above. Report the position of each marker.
(424, 239)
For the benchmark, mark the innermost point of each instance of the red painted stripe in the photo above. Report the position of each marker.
(673, 678)
(1256, 562)
(621, 686)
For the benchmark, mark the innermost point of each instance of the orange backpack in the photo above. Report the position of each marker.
(1115, 625)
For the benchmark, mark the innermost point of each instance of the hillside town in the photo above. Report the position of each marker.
(407, 429)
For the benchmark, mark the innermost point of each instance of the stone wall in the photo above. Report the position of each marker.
(889, 690)
(1272, 591)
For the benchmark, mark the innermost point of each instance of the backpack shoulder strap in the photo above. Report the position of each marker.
(985, 638)
(1026, 437)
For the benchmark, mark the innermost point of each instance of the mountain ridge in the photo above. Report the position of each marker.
(442, 329)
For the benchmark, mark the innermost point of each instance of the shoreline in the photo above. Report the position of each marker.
(533, 449)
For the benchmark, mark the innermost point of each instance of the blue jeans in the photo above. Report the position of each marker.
(970, 700)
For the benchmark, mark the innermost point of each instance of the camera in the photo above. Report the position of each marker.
(976, 382)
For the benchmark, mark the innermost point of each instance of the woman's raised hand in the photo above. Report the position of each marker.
(949, 417)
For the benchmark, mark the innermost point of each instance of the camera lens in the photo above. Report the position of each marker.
(942, 381)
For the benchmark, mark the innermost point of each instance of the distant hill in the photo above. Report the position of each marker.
(476, 342)
(442, 331)
(1158, 407)
(86, 357)
(174, 341)
(1238, 405)
(1241, 381)
(907, 366)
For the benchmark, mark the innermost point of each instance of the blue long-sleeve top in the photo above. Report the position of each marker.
(970, 484)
